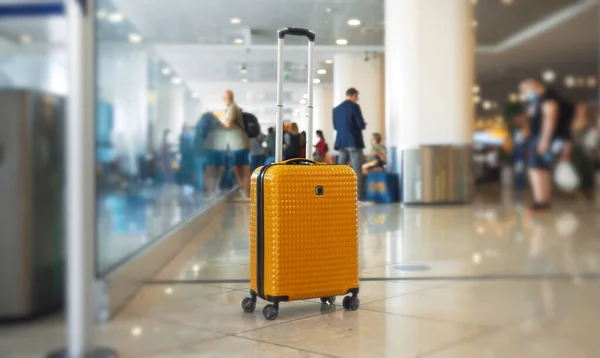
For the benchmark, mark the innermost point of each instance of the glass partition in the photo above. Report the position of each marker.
(150, 154)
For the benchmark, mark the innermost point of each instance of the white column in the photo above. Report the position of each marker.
(323, 119)
(429, 72)
(365, 73)
(123, 82)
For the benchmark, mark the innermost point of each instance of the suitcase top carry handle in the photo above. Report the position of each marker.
(297, 31)
(299, 161)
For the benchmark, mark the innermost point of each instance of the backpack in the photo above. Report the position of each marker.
(251, 125)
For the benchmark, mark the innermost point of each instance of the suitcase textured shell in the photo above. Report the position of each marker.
(309, 229)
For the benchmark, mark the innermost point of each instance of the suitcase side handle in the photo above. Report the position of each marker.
(297, 31)
(299, 161)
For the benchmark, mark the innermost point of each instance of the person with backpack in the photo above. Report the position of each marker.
(238, 143)
(550, 118)
(321, 147)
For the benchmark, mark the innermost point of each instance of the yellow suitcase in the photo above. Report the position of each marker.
(303, 227)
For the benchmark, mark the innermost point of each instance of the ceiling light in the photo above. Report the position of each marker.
(476, 89)
(196, 268)
(342, 42)
(169, 290)
(235, 20)
(507, 2)
(549, 76)
(353, 22)
(116, 17)
(476, 99)
(487, 105)
(243, 71)
(101, 14)
(316, 81)
(135, 38)
(166, 71)
(322, 71)
(238, 41)
(25, 38)
(592, 81)
(569, 81)
(513, 97)
(328, 10)
(302, 101)
(329, 62)
(176, 80)
(244, 80)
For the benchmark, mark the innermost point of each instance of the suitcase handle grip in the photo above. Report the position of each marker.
(299, 161)
(297, 31)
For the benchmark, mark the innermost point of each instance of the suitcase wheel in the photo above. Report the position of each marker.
(248, 304)
(328, 300)
(270, 312)
(351, 303)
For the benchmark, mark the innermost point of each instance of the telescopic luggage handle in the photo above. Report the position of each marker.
(281, 34)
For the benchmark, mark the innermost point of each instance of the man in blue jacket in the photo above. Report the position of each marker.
(349, 124)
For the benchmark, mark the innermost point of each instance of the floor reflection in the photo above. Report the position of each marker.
(491, 238)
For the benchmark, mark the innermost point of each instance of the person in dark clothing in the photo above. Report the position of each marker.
(549, 123)
(349, 124)
(293, 145)
(270, 152)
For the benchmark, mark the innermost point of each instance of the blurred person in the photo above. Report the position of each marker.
(303, 144)
(378, 156)
(257, 151)
(207, 148)
(292, 142)
(270, 152)
(321, 147)
(238, 143)
(549, 126)
(585, 147)
(349, 124)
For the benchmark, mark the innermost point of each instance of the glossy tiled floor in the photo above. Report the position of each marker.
(484, 280)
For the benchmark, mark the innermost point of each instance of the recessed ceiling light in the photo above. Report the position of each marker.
(116, 17)
(166, 71)
(569, 81)
(169, 290)
(25, 38)
(235, 20)
(101, 14)
(328, 10)
(322, 71)
(244, 80)
(353, 22)
(329, 62)
(136, 331)
(513, 97)
(342, 42)
(507, 2)
(238, 41)
(135, 38)
(549, 76)
(176, 80)
(302, 101)
(316, 81)
(487, 105)
(476, 89)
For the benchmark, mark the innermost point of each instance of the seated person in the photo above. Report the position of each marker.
(378, 157)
